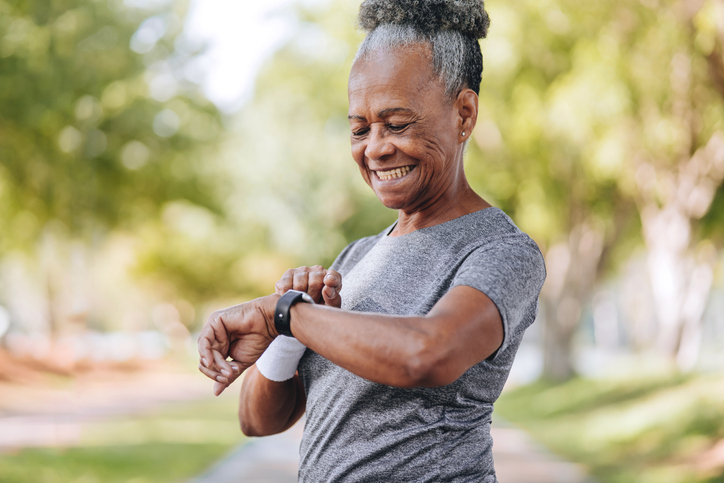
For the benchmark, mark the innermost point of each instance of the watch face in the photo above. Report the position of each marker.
(308, 298)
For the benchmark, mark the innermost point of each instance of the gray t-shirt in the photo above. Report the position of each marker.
(360, 431)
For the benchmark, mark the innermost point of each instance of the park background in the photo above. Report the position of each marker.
(162, 159)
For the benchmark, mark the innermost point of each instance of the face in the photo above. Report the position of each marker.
(405, 130)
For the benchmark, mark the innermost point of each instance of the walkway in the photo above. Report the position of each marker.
(274, 459)
(42, 415)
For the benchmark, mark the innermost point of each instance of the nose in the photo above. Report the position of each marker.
(378, 144)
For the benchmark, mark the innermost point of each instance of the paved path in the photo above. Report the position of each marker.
(274, 459)
(519, 459)
(41, 416)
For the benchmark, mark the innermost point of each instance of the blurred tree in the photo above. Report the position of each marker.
(99, 127)
(551, 150)
(680, 161)
(94, 133)
(583, 105)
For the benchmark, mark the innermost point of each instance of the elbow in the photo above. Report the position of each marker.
(246, 428)
(430, 365)
(250, 430)
(257, 428)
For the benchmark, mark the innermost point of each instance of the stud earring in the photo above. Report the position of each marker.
(463, 133)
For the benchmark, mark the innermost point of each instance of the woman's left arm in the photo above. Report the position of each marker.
(462, 329)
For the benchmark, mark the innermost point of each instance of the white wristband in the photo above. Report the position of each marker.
(279, 361)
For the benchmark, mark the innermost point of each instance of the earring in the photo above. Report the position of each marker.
(463, 133)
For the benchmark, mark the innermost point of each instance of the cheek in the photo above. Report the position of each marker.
(358, 152)
(438, 153)
(434, 153)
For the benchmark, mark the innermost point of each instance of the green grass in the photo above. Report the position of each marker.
(637, 430)
(140, 463)
(169, 444)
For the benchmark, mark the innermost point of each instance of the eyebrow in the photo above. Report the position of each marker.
(382, 113)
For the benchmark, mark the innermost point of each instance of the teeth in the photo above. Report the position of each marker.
(394, 173)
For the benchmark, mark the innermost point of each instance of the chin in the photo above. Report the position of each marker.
(393, 204)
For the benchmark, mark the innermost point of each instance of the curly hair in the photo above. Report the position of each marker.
(429, 16)
(451, 27)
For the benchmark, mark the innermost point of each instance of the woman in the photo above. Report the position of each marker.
(405, 361)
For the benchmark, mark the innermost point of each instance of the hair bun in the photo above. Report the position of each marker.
(428, 16)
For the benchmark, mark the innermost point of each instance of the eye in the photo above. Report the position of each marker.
(360, 132)
(397, 127)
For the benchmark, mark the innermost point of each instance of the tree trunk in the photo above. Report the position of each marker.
(681, 277)
(680, 283)
(558, 363)
(572, 267)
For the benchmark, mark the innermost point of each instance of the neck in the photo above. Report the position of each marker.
(451, 204)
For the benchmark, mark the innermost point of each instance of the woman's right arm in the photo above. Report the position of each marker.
(268, 407)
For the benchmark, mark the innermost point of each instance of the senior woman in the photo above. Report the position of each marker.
(401, 365)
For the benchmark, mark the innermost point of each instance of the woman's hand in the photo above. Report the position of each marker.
(241, 332)
(322, 285)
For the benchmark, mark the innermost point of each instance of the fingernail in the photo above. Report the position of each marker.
(221, 379)
(203, 359)
(235, 367)
(225, 372)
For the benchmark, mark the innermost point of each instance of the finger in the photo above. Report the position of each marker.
(316, 283)
(332, 286)
(333, 279)
(219, 386)
(222, 364)
(331, 297)
(211, 374)
(219, 337)
(301, 279)
(204, 346)
(285, 283)
(212, 336)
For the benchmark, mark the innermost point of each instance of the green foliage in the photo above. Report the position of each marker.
(629, 430)
(575, 95)
(150, 463)
(82, 141)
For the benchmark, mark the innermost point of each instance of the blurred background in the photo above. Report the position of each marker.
(160, 159)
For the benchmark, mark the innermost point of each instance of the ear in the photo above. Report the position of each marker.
(466, 106)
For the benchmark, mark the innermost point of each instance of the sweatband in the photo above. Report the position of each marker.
(279, 361)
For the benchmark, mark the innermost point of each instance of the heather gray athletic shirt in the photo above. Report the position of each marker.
(361, 431)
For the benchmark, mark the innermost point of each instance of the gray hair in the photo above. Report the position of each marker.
(451, 28)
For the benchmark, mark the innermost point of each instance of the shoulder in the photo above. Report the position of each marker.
(492, 224)
(492, 235)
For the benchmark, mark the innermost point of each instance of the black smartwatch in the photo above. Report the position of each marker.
(282, 320)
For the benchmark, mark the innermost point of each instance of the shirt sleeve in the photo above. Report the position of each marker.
(511, 272)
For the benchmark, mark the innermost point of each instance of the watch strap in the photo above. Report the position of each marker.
(282, 318)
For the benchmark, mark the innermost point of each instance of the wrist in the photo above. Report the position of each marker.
(282, 313)
(268, 306)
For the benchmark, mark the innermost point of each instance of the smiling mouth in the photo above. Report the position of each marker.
(394, 173)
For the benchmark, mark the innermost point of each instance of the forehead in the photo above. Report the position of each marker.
(393, 78)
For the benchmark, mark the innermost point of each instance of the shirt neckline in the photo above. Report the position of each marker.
(386, 233)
